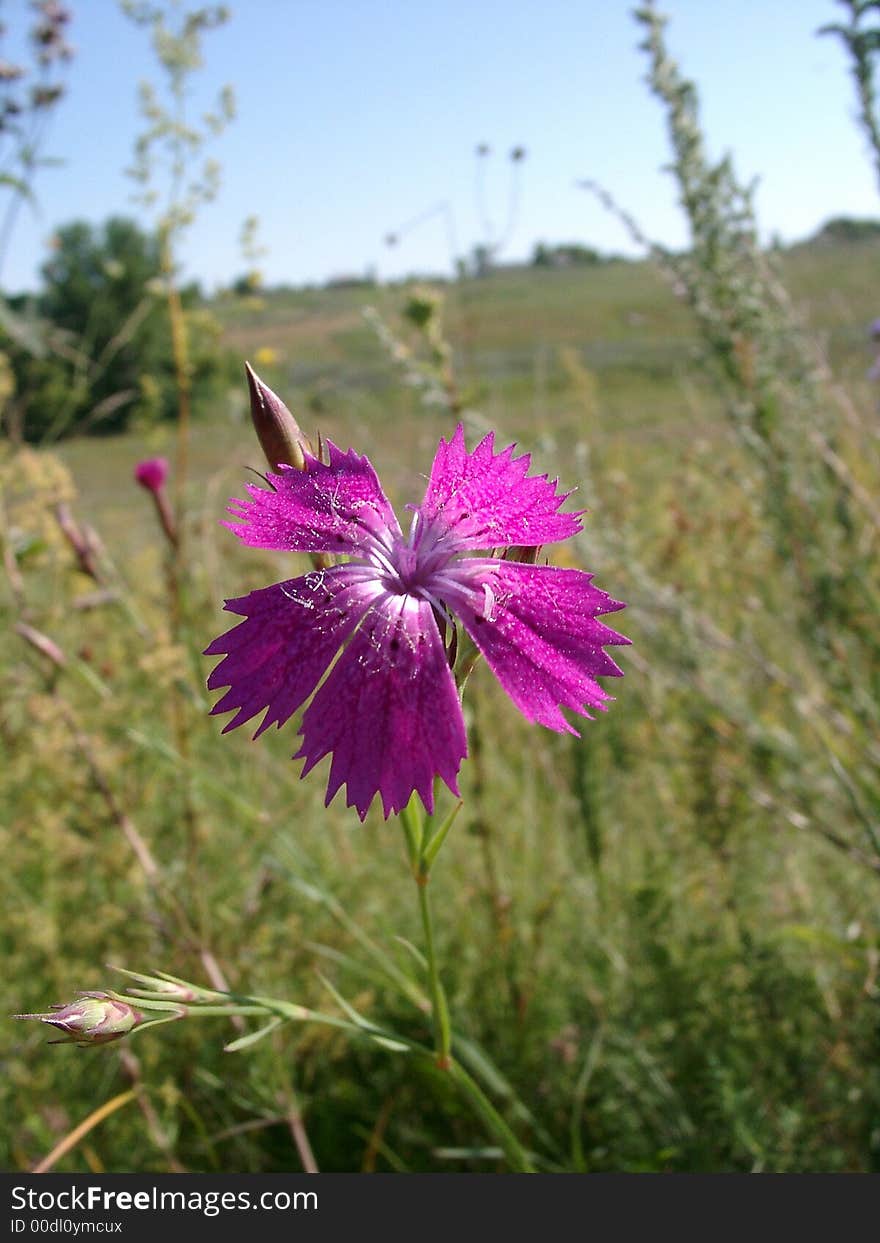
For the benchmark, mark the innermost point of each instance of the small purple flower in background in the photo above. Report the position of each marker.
(152, 473)
(388, 711)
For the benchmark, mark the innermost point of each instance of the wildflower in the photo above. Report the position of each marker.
(152, 473)
(95, 1018)
(388, 710)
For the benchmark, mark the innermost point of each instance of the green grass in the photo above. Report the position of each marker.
(644, 931)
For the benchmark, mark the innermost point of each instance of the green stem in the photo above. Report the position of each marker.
(423, 845)
(517, 1157)
(439, 1007)
(161, 1010)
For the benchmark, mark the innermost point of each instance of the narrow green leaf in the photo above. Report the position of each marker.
(433, 841)
(415, 951)
(362, 1023)
(245, 1042)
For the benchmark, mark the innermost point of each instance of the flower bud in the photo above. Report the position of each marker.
(42, 643)
(277, 430)
(95, 1018)
(80, 539)
(152, 473)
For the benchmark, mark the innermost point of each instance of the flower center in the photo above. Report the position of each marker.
(409, 566)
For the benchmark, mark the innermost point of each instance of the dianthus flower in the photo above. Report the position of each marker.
(388, 711)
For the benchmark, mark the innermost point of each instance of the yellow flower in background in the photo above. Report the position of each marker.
(33, 484)
(266, 356)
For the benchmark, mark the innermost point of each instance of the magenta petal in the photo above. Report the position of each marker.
(335, 508)
(388, 712)
(276, 657)
(486, 499)
(536, 626)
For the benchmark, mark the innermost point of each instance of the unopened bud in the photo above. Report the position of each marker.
(81, 539)
(152, 473)
(277, 430)
(96, 1018)
(42, 643)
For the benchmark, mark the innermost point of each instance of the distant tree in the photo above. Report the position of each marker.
(109, 353)
(351, 280)
(565, 255)
(481, 260)
(246, 285)
(848, 229)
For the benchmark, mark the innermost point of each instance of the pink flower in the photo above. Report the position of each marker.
(388, 711)
(152, 473)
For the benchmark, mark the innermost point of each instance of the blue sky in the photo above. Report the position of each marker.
(356, 116)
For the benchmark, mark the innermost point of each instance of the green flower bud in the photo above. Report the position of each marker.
(95, 1018)
(277, 430)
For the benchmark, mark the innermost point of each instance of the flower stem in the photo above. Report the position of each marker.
(423, 842)
(439, 1006)
(166, 1007)
(517, 1157)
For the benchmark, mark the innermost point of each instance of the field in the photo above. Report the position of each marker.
(660, 941)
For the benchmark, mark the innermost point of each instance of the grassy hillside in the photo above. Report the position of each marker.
(527, 342)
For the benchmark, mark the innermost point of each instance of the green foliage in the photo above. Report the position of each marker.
(107, 359)
(810, 455)
(96, 277)
(861, 38)
(848, 229)
(565, 255)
